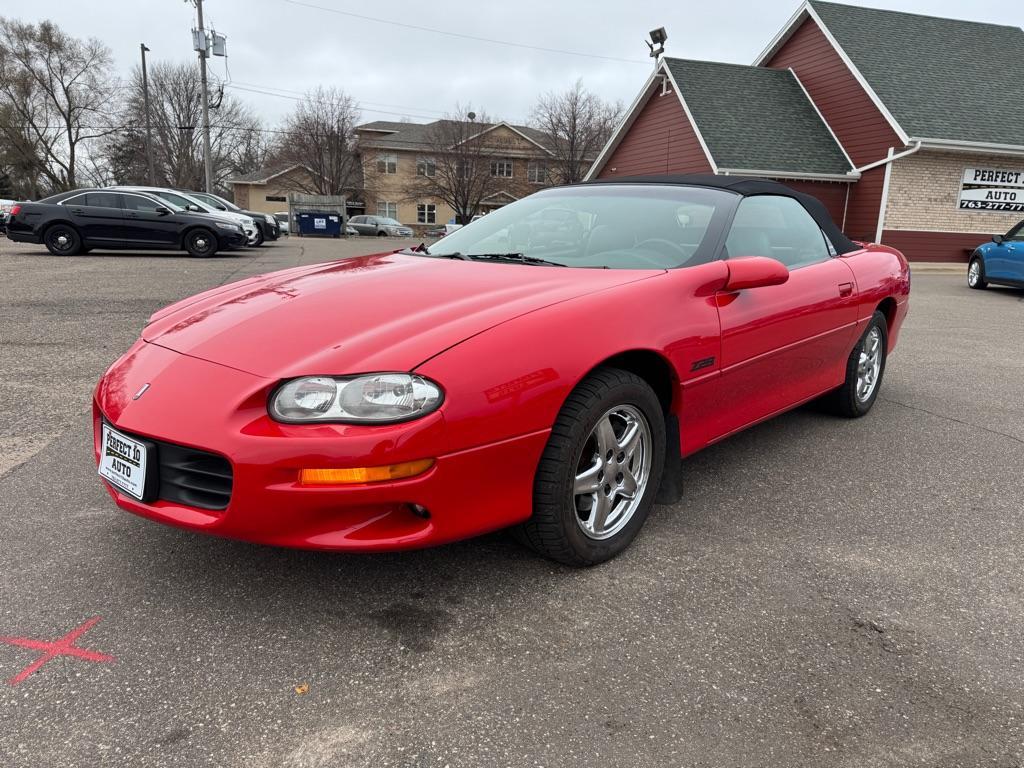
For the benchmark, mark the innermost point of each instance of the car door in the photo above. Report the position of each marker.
(361, 225)
(1005, 260)
(148, 222)
(783, 344)
(98, 216)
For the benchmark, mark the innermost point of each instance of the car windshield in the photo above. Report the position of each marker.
(615, 226)
(182, 200)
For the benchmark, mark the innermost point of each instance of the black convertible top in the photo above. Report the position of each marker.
(748, 187)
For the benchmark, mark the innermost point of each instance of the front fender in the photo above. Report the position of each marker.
(514, 378)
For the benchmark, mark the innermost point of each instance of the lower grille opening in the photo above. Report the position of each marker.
(194, 478)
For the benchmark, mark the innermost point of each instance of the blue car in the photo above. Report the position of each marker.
(1000, 262)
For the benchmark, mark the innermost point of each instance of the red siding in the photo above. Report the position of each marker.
(661, 140)
(862, 130)
(933, 246)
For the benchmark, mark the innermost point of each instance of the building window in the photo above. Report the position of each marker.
(425, 166)
(502, 168)
(277, 199)
(537, 172)
(387, 210)
(463, 169)
(387, 163)
(426, 213)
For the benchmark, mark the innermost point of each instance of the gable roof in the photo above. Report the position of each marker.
(935, 78)
(263, 175)
(417, 136)
(754, 119)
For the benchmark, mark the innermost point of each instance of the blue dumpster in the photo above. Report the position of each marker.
(319, 223)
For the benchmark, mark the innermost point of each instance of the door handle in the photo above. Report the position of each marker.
(845, 289)
(77, 211)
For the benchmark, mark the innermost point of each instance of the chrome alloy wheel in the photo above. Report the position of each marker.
(612, 473)
(974, 273)
(869, 365)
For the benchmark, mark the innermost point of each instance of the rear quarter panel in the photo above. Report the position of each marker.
(881, 273)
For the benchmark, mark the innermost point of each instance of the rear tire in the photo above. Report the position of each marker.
(976, 274)
(62, 240)
(201, 243)
(864, 370)
(600, 471)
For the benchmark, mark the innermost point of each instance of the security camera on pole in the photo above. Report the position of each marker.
(203, 44)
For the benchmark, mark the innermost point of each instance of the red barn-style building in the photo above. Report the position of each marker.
(909, 128)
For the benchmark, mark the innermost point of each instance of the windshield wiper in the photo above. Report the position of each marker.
(421, 250)
(514, 258)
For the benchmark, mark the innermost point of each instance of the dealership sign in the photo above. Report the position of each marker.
(992, 189)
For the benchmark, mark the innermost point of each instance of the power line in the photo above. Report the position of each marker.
(433, 30)
(301, 98)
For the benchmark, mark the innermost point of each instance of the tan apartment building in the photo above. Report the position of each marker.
(395, 154)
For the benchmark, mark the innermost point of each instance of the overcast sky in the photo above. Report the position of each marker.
(288, 46)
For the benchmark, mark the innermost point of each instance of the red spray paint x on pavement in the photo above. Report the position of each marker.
(51, 649)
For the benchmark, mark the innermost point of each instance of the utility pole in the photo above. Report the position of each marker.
(207, 160)
(149, 130)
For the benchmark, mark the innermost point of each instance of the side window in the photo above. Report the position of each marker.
(178, 200)
(139, 203)
(101, 200)
(1017, 233)
(75, 200)
(779, 228)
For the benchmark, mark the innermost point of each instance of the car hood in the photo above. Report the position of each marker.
(374, 313)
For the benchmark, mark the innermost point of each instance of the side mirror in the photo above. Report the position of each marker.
(997, 239)
(193, 208)
(754, 272)
(161, 211)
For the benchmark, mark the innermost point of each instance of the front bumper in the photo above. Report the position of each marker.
(467, 492)
(231, 240)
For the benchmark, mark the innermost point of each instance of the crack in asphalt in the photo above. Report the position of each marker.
(944, 417)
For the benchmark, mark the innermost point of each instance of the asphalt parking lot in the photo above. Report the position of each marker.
(827, 592)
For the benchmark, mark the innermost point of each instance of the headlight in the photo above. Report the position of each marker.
(269, 219)
(379, 398)
(225, 225)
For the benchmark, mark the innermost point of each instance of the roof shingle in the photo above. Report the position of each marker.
(758, 119)
(940, 78)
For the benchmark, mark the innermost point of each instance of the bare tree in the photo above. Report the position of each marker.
(580, 124)
(460, 157)
(237, 140)
(320, 135)
(60, 93)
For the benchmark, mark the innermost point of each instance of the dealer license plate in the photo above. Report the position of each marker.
(123, 462)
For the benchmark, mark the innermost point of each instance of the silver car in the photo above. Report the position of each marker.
(379, 226)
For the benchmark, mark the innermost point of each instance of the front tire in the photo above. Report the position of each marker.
(864, 370)
(976, 274)
(62, 240)
(260, 238)
(600, 471)
(201, 243)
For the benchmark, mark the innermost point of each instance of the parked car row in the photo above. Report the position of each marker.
(151, 218)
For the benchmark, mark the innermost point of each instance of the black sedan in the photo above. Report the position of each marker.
(83, 219)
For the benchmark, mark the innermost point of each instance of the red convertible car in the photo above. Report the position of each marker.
(544, 367)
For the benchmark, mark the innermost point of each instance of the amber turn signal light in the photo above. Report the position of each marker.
(359, 475)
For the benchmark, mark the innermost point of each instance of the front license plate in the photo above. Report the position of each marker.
(123, 462)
